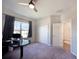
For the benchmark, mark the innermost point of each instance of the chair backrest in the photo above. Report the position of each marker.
(16, 35)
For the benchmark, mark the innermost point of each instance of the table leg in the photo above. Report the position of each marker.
(21, 51)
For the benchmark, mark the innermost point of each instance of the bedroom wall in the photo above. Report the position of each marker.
(71, 16)
(50, 20)
(74, 29)
(56, 19)
(74, 35)
(33, 31)
(40, 23)
(73, 21)
(44, 21)
(56, 30)
(3, 21)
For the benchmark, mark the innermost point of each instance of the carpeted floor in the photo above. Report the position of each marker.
(39, 51)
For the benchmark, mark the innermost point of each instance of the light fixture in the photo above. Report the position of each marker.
(31, 6)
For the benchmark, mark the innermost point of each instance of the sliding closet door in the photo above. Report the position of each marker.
(44, 34)
(57, 34)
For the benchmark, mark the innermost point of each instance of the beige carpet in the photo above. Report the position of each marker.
(39, 51)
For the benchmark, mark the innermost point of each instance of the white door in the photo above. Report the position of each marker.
(44, 34)
(57, 35)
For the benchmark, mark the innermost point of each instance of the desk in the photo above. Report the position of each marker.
(20, 43)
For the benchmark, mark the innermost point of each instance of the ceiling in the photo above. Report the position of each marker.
(44, 7)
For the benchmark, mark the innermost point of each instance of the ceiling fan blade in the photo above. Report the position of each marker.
(35, 10)
(25, 4)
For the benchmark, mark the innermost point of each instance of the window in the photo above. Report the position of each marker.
(21, 28)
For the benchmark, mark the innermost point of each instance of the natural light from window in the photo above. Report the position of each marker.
(21, 28)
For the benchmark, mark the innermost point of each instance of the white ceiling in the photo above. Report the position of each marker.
(44, 7)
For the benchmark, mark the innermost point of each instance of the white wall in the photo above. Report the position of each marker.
(33, 31)
(44, 22)
(74, 35)
(56, 19)
(3, 21)
(50, 20)
(57, 35)
(74, 30)
(44, 34)
(57, 30)
(72, 18)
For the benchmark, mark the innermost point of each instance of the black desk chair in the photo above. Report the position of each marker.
(15, 38)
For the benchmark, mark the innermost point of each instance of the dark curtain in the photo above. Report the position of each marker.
(30, 29)
(8, 27)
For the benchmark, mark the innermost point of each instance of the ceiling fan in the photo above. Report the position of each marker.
(31, 5)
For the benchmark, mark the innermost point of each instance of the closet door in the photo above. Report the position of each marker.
(44, 34)
(57, 34)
